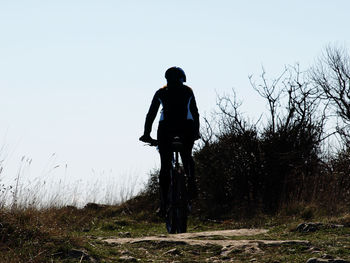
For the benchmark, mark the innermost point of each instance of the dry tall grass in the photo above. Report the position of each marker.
(40, 218)
(54, 192)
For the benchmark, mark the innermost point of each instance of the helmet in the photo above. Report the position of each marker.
(175, 74)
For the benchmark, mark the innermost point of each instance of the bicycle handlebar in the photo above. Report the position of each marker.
(150, 141)
(176, 144)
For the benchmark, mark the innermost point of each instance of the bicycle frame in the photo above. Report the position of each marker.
(176, 216)
(176, 148)
(177, 201)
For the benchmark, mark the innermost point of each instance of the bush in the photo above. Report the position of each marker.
(246, 169)
(228, 173)
(151, 190)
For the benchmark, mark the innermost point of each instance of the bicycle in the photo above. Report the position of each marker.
(177, 205)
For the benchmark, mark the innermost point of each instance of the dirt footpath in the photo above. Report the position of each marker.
(222, 238)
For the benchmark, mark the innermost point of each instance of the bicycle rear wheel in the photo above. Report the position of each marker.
(170, 221)
(176, 220)
(176, 216)
(181, 220)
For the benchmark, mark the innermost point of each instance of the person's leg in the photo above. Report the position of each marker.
(164, 175)
(187, 160)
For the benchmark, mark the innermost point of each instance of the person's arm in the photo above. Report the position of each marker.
(195, 115)
(151, 115)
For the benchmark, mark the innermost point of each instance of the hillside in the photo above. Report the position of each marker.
(124, 233)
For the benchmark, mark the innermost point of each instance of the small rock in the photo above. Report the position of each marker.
(225, 258)
(308, 227)
(326, 256)
(173, 252)
(329, 260)
(127, 259)
(212, 259)
(312, 227)
(225, 251)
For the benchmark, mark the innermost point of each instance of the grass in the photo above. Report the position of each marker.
(32, 235)
(60, 229)
(57, 231)
(48, 191)
(44, 221)
(60, 234)
(43, 194)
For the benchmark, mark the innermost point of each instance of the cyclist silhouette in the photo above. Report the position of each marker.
(179, 117)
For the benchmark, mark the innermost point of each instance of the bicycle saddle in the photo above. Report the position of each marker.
(176, 144)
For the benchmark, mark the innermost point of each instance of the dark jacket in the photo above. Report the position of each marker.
(179, 114)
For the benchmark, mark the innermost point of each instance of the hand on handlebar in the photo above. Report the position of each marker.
(148, 139)
(145, 138)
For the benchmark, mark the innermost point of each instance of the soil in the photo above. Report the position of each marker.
(220, 238)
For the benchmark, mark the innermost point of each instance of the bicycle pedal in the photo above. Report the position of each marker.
(189, 208)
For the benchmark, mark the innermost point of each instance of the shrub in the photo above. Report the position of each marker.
(245, 169)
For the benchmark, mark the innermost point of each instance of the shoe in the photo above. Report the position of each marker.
(189, 207)
(192, 190)
(161, 212)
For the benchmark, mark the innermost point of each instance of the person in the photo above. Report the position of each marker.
(179, 117)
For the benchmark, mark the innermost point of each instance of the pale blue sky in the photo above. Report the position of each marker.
(77, 77)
